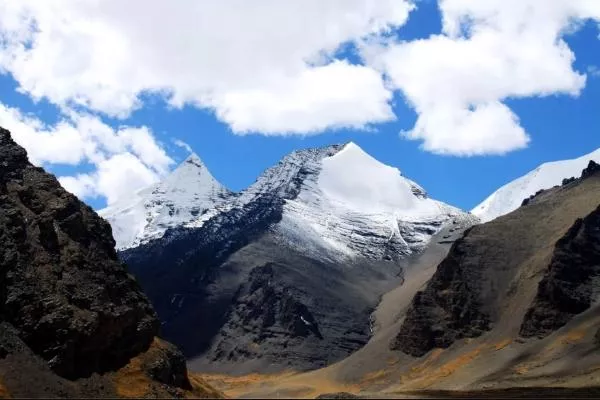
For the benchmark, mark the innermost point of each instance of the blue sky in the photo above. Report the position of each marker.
(560, 119)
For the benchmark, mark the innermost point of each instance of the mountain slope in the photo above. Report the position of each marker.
(287, 274)
(511, 311)
(71, 317)
(189, 195)
(510, 196)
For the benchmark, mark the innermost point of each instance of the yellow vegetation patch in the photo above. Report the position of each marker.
(4, 394)
(201, 389)
(131, 381)
(374, 377)
(287, 384)
(424, 375)
(451, 367)
(522, 369)
(233, 386)
(573, 337)
(502, 344)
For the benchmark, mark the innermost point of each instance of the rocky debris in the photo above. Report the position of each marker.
(185, 299)
(572, 281)
(448, 309)
(70, 313)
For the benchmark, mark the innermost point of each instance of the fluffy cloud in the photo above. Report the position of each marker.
(123, 160)
(263, 66)
(489, 51)
(273, 67)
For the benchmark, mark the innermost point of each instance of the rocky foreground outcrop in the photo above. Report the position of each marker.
(71, 316)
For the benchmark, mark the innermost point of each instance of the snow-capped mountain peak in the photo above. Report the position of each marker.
(342, 202)
(510, 196)
(335, 202)
(187, 195)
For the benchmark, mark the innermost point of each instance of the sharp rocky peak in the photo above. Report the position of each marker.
(187, 195)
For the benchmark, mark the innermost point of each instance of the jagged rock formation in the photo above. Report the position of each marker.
(493, 264)
(68, 307)
(572, 281)
(332, 225)
(449, 308)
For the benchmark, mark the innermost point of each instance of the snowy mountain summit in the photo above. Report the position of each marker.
(188, 195)
(510, 196)
(341, 202)
(336, 202)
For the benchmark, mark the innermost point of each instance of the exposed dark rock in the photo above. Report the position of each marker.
(533, 196)
(447, 310)
(71, 317)
(183, 299)
(61, 284)
(265, 308)
(572, 281)
(591, 169)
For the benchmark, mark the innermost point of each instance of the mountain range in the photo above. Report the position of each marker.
(332, 275)
(287, 273)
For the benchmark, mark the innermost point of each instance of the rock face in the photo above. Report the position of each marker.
(527, 273)
(68, 307)
(572, 281)
(448, 309)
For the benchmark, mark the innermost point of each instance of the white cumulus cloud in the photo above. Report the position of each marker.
(489, 51)
(274, 67)
(123, 160)
(263, 65)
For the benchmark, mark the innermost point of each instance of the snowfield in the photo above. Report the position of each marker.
(510, 196)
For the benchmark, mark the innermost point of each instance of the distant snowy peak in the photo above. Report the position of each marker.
(189, 195)
(510, 196)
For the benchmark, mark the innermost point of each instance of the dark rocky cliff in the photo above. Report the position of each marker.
(572, 281)
(68, 307)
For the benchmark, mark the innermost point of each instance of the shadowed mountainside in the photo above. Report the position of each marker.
(72, 320)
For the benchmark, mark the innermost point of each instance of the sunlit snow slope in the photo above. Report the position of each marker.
(189, 195)
(510, 196)
(347, 204)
